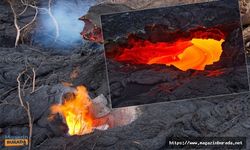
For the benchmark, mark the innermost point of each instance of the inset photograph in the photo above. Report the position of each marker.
(175, 53)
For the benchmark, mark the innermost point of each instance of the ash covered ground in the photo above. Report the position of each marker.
(83, 65)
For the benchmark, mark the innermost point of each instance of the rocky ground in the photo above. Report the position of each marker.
(215, 116)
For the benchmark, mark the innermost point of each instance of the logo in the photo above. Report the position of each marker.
(15, 141)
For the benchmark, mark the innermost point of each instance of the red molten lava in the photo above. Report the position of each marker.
(194, 52)
(91, 32)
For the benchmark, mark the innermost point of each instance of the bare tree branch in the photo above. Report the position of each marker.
(24, 84)
(24, 9)
(27, 108)
(34, 80)
(15, 23)
(49, 12)
(19, 87)
(32, 21)
(53, 19)
(27, 4)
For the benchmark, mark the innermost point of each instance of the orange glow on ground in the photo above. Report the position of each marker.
(193, 54)
(75, 111)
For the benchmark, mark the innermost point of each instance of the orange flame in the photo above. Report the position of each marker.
(194, 54)
(75, 111)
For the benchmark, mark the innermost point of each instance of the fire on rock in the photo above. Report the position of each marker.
(81, 114)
